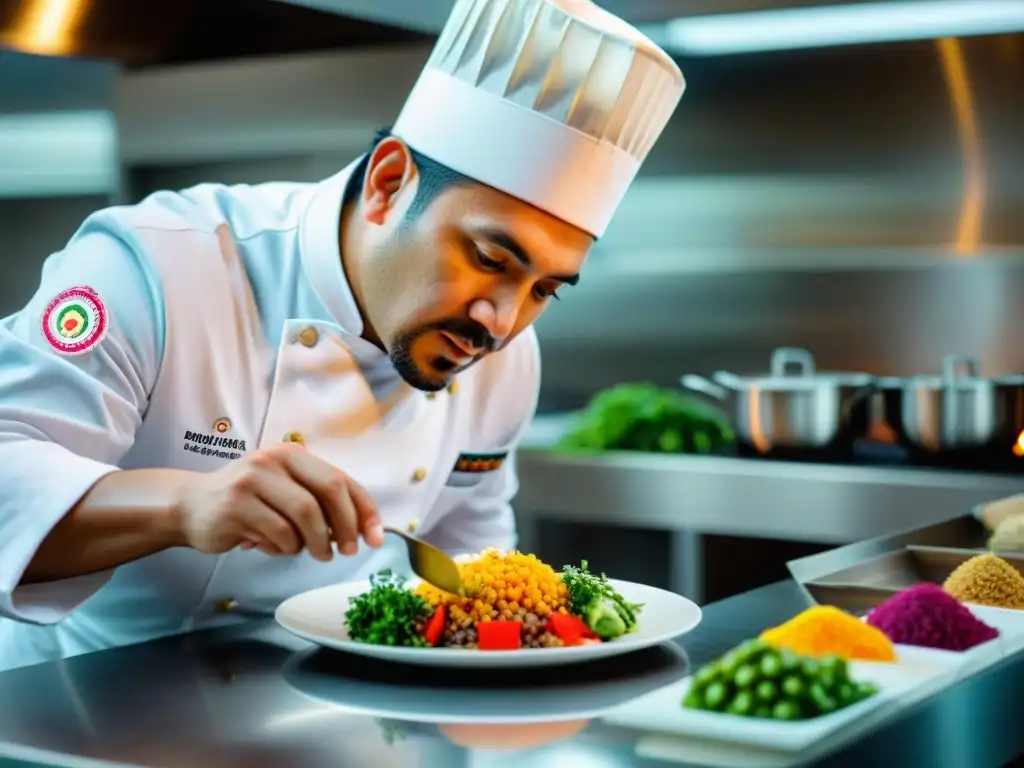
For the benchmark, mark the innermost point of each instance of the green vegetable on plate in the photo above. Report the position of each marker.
(603, 609)
(388, 614)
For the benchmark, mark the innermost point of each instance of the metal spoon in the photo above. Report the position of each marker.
(431, 564)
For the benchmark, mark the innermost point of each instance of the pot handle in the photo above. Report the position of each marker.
(784, 357)
(857, 397)
(951, 365)
(703, 386)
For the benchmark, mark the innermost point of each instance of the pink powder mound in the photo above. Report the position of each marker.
(927, 616)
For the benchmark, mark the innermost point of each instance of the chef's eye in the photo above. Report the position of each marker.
(491, 265)
(544, 293)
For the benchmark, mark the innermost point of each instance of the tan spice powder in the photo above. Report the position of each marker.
(987, 580)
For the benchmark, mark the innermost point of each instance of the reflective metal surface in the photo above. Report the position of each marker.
(793, 407)
(167, 31)
(957, 411)
(796, 501)
(253, 696)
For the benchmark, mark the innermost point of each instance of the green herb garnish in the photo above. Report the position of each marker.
(389, 614)
(591, 597)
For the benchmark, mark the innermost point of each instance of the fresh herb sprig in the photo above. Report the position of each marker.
(587, 590)
(389, 614)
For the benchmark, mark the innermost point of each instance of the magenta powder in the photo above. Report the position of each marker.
(925, 615)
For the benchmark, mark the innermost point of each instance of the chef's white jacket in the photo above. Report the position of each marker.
(229, 327)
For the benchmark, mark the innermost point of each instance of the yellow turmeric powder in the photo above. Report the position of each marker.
(825, 629)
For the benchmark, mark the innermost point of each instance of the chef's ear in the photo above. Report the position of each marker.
(390, 169)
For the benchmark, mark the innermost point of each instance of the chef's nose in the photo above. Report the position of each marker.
(497, 316)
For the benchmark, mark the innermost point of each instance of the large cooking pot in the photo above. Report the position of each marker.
(795, 407)
(956, 411)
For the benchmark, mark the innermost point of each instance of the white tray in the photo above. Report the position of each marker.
(966, 663)
(662, 711)
(1010, 624)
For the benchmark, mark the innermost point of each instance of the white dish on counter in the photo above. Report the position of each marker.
(661, 711)
(319, 616)
(1010, 624)
(965, 663)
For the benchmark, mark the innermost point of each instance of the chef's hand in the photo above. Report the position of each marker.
(279, 500)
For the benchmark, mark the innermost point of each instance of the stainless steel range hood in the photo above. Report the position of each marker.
(715, 27)
(139, 33)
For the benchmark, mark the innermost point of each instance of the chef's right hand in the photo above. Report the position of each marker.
(279, 500)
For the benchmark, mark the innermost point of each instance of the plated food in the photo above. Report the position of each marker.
(513, 601)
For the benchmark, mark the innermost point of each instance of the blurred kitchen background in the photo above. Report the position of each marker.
(841, 177)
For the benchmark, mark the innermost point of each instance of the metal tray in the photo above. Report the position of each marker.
(861, 587)
(860, 576)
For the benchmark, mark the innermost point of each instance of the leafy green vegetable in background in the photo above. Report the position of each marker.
(646, 417)
(389, 614)
(603, 609)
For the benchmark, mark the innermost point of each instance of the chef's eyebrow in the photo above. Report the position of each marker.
(504, 240)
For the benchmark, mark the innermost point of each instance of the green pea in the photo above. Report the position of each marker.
(786, 710)
(771, 665)
(729, 663)
(742, 704)
(835, 665)
(790, 661)
(809, 667)
(793, 687)
(828, 679)
(763, 712)
(847, 694)
(705, 675)
(745, 676)
(715, 695)
(767, 691)
(693, 700)
(865, 691)
(825, 703)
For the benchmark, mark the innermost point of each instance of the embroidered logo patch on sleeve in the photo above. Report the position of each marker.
(479, 462)
(75, 321)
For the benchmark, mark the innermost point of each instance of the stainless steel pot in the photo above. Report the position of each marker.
(795, 407)
(956, 411)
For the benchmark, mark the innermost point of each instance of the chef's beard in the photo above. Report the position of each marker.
(436, 377)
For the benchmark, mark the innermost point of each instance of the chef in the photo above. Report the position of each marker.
(218, 398)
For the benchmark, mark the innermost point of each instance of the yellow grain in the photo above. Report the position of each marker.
(501, 585)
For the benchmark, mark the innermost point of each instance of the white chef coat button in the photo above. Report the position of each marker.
(294, 437)
(413, 525)
(453, 388)
(308, 337)
(419, 475)
(228, 605)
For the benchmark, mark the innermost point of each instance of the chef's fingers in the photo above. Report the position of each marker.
(331, 488)
(302, 508)
(366, 512)
(262, 546)
(270, 528)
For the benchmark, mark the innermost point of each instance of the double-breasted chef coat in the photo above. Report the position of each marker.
(218, 321)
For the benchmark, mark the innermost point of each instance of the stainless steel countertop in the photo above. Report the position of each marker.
(255, 696)
(826, 503)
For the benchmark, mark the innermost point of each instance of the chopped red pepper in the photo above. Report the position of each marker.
(571, 630)
(435, 627)
(499, 635)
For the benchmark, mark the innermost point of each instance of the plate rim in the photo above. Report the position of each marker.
(442, 657)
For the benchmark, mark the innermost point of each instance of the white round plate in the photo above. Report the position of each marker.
(319, 616)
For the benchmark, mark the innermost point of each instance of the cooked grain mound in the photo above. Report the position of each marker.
(501, 586)
(987, 580)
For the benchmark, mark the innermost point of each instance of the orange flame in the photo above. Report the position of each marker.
(1018, 447)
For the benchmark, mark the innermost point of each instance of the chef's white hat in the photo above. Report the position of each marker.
(555, 102)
